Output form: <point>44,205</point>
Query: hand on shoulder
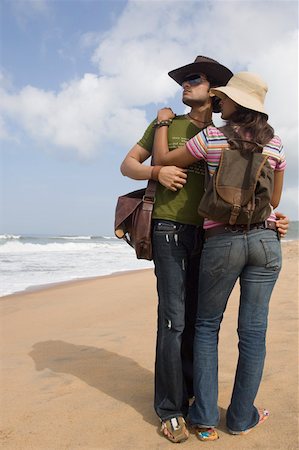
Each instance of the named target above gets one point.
<point>165,114</point>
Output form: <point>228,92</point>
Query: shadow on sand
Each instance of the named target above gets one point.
<point>118,376</point>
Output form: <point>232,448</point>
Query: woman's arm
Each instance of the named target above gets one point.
<point>180,156</point>
<point>278,182</point>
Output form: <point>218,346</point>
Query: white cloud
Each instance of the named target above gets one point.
<point>75,118</point>
<point>4,134</point>
<point>5,80</point>
<point>133,58</point>
<point>30,6</point>
<point>90,39</point>
<point>26,10</point>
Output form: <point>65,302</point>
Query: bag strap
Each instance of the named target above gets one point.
<point>151,188</point>
<point>232,135</point>
<point>150,191</point>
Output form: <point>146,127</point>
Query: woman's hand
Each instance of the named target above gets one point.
<point>172,177</point>
<point>165,114</point>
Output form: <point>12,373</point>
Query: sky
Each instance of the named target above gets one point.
<point>81,79</point>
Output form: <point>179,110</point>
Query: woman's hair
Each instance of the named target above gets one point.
<point>251,126</point>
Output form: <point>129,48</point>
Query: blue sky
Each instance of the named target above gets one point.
<point>80,80</point>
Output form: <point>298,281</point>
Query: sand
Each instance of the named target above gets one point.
<point>77,366</point>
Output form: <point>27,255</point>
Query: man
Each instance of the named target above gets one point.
<point>177,236</point>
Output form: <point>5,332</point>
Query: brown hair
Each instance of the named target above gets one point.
<point>252,128</point>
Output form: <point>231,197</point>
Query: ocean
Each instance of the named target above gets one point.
<point>31,261</point>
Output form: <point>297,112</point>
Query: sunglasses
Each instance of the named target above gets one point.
<point>194,80</point>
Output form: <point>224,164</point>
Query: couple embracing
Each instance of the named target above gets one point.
<point>198,260</point>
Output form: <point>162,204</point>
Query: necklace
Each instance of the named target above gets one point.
<point>197,120</point>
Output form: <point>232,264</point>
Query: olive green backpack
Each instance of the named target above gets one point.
<point>240,190</point>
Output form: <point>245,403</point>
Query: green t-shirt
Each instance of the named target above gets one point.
<point>180,206</point>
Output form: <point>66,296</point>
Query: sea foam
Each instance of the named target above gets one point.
<point>28,261</point>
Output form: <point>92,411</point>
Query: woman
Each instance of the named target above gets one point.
<point>229,253</point>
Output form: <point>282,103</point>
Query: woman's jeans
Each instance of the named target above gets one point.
<point>176,254</point>
<point>255,258</point>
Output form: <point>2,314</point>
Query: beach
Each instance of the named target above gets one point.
<point>78,360</point>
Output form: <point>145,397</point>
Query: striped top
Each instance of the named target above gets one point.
<point>209,143</point>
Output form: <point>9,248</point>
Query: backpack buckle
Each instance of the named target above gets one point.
<point>235,211</point>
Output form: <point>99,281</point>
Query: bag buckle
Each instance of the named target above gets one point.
<point>235,211</point>
<point>148,199</point>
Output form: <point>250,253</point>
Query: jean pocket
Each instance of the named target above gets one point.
<point>272,251</point>
<point>215,257</point>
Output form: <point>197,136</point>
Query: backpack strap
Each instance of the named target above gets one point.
<point>232,136</point>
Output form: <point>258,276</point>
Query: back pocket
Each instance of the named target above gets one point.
<point>272,251</point>
<point>215,257</point>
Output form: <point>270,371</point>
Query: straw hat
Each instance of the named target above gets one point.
<point>202,64</point>
<point>245,88</point>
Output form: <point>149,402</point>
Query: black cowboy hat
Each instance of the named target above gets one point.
<point>216,72</point>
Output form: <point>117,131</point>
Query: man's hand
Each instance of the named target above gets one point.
<point>165,114</point>
<point>282,223</point>
<point>172,177</point>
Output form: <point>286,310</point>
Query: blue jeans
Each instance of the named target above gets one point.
<point>255,258</point>
<point>176,254</point>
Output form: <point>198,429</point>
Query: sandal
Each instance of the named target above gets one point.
<point>175,429</point>
<point>204,433</point>
<point>264,414</point>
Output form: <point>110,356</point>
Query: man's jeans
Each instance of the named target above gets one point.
<point>255,258</point>
<point>176,254</point>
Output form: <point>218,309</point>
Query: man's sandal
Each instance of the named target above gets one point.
<point>175,429</point>
<point>264,414</point>
<point>204,433</point>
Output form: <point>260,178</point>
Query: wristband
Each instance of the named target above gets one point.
<point>155,172</point>
<point>162,123</point>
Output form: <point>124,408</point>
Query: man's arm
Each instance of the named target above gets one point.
<point>132,166</point>
<point>282,223</point>
<point>171,177</point>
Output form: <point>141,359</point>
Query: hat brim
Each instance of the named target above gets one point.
<point>219,73</point>
<point>240,97</point>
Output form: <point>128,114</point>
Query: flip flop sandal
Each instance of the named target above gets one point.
<point>205,434</point>
<point>175,429</point>
<point>264,414</point>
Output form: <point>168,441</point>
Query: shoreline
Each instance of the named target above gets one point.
<point>49,286</point>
